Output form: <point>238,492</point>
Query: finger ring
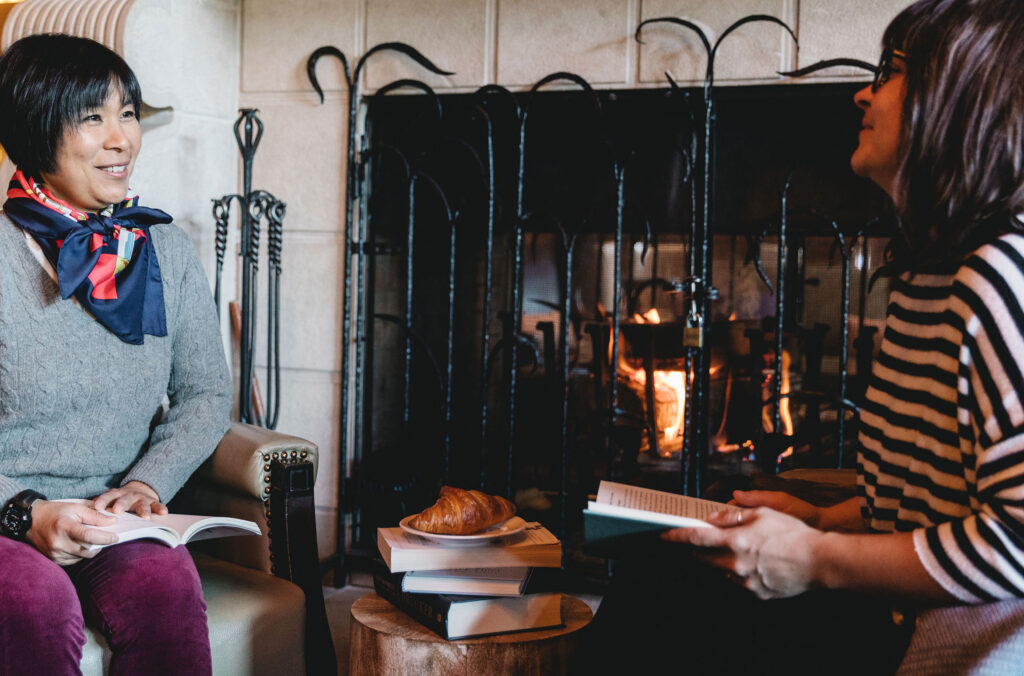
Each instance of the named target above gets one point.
<point>739,518</point>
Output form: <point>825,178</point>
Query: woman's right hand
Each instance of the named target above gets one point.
<point>60,530</point>
<point>780,502</point>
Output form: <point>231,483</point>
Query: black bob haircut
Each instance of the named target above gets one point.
<point>46,83</point>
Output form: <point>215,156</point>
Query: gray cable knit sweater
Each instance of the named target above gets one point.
<point>77,404</point>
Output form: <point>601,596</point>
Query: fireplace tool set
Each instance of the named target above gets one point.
<point>254,206</point>
<point>436,285</point>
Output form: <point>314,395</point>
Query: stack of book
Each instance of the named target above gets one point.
<point>464,590</point>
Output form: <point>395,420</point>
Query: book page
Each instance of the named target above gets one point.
<point>535,534</point>
<point>205,527</point>
<point>648,500</point>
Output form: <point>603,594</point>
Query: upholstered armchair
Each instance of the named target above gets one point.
<point>974,640</point>
<point>263,594</point>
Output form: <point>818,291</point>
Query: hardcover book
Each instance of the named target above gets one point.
<point>534,547</point>
<point>471,581</point>
<point>454,617</point>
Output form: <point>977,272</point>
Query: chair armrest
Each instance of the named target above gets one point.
<point>242,458</point>
<point>236,481</point>
<point>267,477</point>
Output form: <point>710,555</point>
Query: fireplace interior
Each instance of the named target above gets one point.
<point>503,238</point>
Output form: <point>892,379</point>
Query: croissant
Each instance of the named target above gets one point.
<point>461,512</point>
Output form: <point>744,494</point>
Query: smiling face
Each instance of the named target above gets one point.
<point>96,156</point>
<point>878,152</point>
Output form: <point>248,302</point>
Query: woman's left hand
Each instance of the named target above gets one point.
<point>134,496</point>
<point>768,552</point>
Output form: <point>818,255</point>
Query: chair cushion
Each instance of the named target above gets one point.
<point>976,640</point>
<point>256,623</point>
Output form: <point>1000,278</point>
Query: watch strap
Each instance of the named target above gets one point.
<point>16,515</point>
<point>28,496</point>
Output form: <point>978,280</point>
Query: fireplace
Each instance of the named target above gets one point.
<point>526,314</point>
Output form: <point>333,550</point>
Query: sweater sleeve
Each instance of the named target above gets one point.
<point>8,489</point>
<point>199,389</point>
<point>981,556</point>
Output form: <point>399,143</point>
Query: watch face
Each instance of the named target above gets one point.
<point>12,521</point>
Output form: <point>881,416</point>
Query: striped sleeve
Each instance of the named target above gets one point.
<point>980,557</point>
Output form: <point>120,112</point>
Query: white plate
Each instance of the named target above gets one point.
<point>508,527</point>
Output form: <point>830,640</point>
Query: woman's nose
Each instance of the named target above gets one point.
<point>863,97</point>
<point>116,137</point>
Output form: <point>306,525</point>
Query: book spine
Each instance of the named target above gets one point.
<point>430,610</point>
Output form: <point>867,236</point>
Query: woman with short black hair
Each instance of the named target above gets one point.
<point>105,318</point>
<point>939,516</point>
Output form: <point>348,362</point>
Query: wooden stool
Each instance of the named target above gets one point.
<point>384,640</point>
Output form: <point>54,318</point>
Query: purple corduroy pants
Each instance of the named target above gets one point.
<point>143,596</point>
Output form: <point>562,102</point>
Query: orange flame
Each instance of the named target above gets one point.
<point>669,386</point>
<point>785,417</point>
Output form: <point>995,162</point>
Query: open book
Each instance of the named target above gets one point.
<point>623,510</point>
<point>173,529</point>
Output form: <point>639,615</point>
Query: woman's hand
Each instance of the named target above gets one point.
<point>60,530</point>
<point>768,552</point>
<point>780,502</point>
<point>134,496</point>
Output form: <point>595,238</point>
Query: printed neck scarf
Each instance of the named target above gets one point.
<point>105,260</point>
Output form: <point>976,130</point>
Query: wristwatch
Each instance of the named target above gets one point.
<point>16,516</point>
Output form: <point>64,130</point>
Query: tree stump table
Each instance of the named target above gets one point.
<point>384,640</point>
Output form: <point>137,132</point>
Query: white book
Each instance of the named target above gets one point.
<point>172,529</point>
<point>454,617</point>
<point>482,617</point>
<point>471,581</point>
<point>621,509</point>
<point>403,551</point>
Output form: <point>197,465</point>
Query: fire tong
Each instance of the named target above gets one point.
<point>254,207</point>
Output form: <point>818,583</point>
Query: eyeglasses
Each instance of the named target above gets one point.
<point>885,67</point>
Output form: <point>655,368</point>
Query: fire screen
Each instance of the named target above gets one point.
<point>553,287</point>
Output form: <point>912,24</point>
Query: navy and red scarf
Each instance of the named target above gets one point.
<point>105,260</point>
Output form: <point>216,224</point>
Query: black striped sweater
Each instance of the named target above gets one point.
<point>942,434</point>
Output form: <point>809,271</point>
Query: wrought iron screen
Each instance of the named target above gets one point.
<point>502,246</point>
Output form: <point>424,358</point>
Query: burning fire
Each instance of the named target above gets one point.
<point>767,414</point>
<point>669,393</point>
<point>670,401</point>
<point>785,418</point>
